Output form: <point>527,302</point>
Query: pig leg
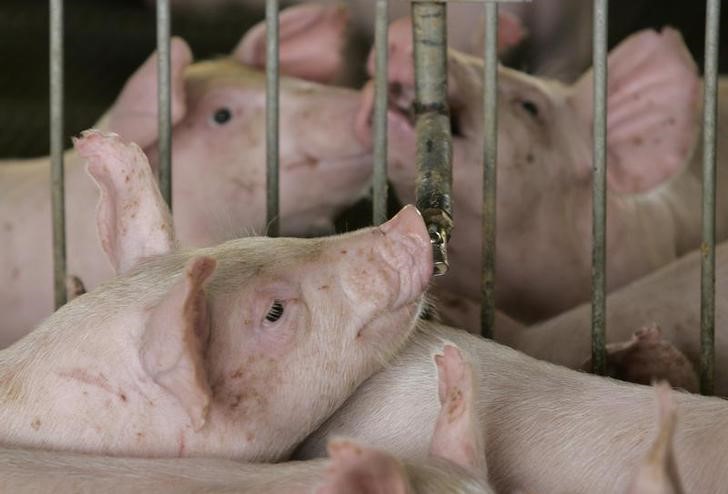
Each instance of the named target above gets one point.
<point>458,432</point>
<point>133,220</point>
<point>658,474</point>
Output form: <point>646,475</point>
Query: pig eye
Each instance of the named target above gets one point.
<point>275,312</point>
<point>222,116</point>
<point>530,107</point>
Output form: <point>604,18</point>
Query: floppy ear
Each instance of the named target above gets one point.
<point>311,42</point>
<point>458,435</point>
<point>355,469</point>
<point>132,219</point>
<point>653,94</point>
<point>175,338</point>
<point>511,32</point>
<point>134,114</point>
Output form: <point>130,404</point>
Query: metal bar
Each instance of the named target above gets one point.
<point>707,271</point>
<point>164,100</point>
<point>271,118</point>
<point>379,199</point>
<point>56,138</point>
<point>599,227</point>
<point>490,154</point>
<point>434,140</point>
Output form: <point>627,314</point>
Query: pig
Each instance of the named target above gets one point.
<point>218,115</point>
<point>669,296</point>
<point>213,351</point>
<point>658,472</point>
<point>457,463</point>
<point>547,428</point>
<point>648,356</point>
<point>544,177</point>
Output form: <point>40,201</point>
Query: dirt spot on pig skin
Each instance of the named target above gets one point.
<point>11,389</point>
<point>35,424</point>
<point>181,450</point>
<point>455,404</point>
<point>99,381</point>
<point>15,273</point>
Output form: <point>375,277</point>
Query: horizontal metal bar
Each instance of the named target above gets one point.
<point>490,155</point>
<point>56,138</point>
<point>707,271</point>
<point>379,195</point>
<point>271,119</point>
<point>164,100</point>
<point>599,188</point>
<point>434,140</point>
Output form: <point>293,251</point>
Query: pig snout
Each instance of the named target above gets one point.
<point>408,253</point>
<point>387,267</point>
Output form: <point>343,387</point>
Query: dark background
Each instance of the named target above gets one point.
<point>106,40</point>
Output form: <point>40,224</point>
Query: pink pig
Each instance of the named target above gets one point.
<point>218,159</point>
<point>215,351</point>
<point>456,463</point>
<point>546,428</point>
<point>543,261</point>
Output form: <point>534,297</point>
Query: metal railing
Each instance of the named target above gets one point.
<point>434,148</point>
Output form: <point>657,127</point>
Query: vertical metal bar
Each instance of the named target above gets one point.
<point>379,199</point>
<point>599,228</point>
<point>271,118</point>
<point>56,138</point>
<point>164,100</point>
<point>434,139</point>
<point>707,272</point>
<point>490,155</point>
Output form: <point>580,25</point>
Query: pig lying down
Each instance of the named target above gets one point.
<point>215,351</point>
<point>543,261</point>
<point>456,463</point>
<point>218,112</point>
<point>670,297</point>
<point>547,429</point>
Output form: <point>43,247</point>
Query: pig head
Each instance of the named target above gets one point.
<point>219,147</point>
<point>237,350</point>
<point>544,173</point>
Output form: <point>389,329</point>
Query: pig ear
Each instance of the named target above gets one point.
<point>355,469</point>
<point>175,339</point>
<point>458,435</point>
<point>653,94</point>
<point>133,220</point>
<point>311,45</point>
<point>511,32</point>
<point>134,114</point>
<point>658,470</point>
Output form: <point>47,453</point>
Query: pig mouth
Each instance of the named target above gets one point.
<point>400,114</point>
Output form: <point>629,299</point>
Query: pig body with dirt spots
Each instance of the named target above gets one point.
<point>544,189</point>
<point>215,351</point>
<point>546,428</point>
<point>456,463</point>
<point>218,112</point>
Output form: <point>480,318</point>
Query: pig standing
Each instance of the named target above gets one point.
<point>547,428</point>
<point>658,473</point>
<point>218,155</point>
<point>669,296</point>
<point>215,351</point>
<point>457,462</point>
<point>544,215</point>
